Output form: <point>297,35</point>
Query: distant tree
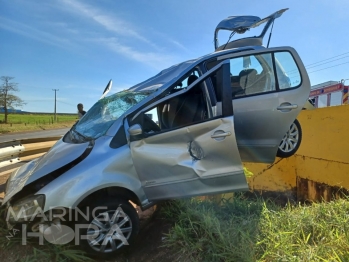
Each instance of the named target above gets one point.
<point>7,99</point>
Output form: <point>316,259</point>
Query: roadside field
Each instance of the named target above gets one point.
<point>37,118</point>
<point>32,122</point>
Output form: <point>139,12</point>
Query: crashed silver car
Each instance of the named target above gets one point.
<point>182,133</point>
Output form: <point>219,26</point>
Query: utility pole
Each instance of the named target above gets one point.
<point>55,102</point>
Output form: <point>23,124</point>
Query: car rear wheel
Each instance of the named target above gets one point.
<point>291,141</point>
<point>109,229</point>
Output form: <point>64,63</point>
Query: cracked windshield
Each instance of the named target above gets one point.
<point>102,115</point>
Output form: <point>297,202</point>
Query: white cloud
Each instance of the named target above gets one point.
<point>66,34</point>
<point>169,39</point>
<point>110,23</point>
<point>155,60</point>
<point>33,33</point>
<point>176,43</point>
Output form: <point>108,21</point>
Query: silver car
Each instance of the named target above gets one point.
<point>182,133</point>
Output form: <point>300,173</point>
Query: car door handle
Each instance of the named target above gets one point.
<point>221,135</point>
<point>287,107</point>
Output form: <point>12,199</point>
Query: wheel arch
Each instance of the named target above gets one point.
<point>110,191</point>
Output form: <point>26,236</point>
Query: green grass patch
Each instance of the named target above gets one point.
<point>33,122</point>
<point>256,230</point>
<point>32,119</point>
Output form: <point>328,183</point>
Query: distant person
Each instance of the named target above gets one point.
<point>81,111</point>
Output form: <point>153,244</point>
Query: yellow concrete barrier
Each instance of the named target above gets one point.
<point>320,168</point>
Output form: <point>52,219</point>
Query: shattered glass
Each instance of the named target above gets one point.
<point>96,122</point>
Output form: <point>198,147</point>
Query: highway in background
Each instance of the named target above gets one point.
<point>33,134</point>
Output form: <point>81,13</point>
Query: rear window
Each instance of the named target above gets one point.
<point>287,71</point>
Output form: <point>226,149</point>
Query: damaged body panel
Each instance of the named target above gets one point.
<point>87,178</point>
<point>60,155</point>
<point>169,166</point>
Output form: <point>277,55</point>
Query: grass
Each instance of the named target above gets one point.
<point>238,229</point>
<point>32,122</point>
<point>256,230</point>
<point>37,118</point>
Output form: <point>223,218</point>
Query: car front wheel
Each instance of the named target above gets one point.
<point>112,225</point>
<point>291,141</point>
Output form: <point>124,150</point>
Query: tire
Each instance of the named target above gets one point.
<point>291,141</point>
<point>104,238</point>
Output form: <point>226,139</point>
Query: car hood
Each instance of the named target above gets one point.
<point>58,156</point>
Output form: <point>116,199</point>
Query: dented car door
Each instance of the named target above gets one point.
<point>195,159</point>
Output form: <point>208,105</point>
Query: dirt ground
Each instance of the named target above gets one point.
<point>146,247</point>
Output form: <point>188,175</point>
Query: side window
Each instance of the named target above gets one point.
<point>287,72</point>
<point>249,75</point>
<point>252,75</point>
<point>181,110</point>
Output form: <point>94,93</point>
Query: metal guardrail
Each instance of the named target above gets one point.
<point>9,152</point>
<point>15,151</point>
<point>12,152</point>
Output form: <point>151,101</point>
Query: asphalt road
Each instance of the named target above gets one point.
<point>34,134</point>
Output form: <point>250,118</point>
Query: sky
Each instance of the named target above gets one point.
<point>77,46</point>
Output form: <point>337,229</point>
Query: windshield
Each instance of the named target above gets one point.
<point>96,122</point>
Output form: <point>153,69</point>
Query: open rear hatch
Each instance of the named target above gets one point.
<point>242,24</point>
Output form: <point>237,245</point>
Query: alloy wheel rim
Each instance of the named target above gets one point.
<point>290,140</point>
<point>109,231</point>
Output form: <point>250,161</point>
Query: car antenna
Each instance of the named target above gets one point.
<point>271,30</point>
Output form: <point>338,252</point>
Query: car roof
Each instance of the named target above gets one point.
<point>172,74</point>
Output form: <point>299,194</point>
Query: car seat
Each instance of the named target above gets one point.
<point>235,86</point>
<point>186,108</point>
<point>247,78</point>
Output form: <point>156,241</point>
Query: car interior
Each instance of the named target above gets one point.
<point>247,82</point>
<point>182,110</point>
<point>250,82</point>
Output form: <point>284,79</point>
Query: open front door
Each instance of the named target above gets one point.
<point>193,159</point>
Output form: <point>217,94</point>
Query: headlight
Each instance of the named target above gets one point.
<point>25,209</point>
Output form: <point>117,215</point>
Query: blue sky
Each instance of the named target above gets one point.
<point>76,46</point>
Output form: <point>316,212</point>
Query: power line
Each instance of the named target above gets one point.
<point>294,71</point>
<point>328,67</point>
<point>327,59</point>
<point>326,62</point>
<point>59,101</point>
<point>313,64</point>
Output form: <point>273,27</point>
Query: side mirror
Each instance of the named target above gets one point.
<point>135,130</point>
